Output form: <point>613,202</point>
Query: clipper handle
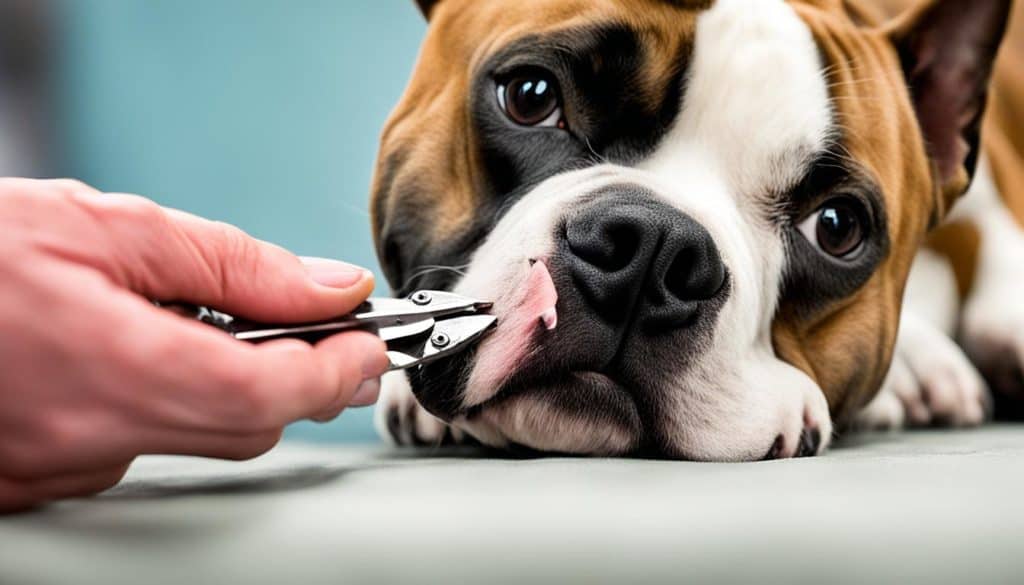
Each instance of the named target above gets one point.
<point>224,322</point>
<point>253,332</point>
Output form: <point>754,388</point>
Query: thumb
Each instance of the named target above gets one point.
<point>175,256</point>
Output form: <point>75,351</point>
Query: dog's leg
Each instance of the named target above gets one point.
<point>401,420</point>
<point>930,381</point>
<point>992,324</point>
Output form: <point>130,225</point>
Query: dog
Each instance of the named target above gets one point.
<point>717,230</point>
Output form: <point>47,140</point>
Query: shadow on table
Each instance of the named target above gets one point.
<point>282,474</point>
<point>279,476</point>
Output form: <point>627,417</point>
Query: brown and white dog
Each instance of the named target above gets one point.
<point>704,223</point>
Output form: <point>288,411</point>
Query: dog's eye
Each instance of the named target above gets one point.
<point>531,99</point>
<point>837,228</point>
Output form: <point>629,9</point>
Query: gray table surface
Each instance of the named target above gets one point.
<point>936,507</point>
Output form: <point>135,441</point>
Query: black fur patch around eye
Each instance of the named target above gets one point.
<point>599,70</point>
<point>814,280</point>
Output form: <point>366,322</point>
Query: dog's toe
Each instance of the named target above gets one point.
<point>931,382</point>
<point>402,421</point>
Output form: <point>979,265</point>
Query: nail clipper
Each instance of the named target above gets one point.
<point>426,326</point>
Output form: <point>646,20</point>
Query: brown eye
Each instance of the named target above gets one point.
<point>837,227</point>
<point>531,99</point>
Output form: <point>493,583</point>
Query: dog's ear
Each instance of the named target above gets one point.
<point>426,6</point>
<point>948,48</point>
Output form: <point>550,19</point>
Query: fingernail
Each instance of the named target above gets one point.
<point>367,393</point>
<point>334,273</point>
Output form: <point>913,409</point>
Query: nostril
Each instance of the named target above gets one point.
<point>696,273</point>
<point>625,241</point>
<point>679,277</point>
<point>610,246</point>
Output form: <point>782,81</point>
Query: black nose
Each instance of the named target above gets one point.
<point>631,255</point>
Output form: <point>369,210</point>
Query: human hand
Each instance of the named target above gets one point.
<point>93,375</point>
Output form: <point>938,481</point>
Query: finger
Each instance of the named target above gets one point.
<point>328,378</point>
<point>16,495</point>
<point>199,379</point>
<point>365,395</point>
<point>174,256</point>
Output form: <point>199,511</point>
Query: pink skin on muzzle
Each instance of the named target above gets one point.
<point>504,350</point>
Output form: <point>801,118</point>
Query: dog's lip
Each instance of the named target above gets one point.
<point>514,387</point>
<point>522,319</point>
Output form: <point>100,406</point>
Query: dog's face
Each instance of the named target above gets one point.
<point>695,218</point>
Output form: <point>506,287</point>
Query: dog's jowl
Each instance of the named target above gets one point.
<point>709,227</point>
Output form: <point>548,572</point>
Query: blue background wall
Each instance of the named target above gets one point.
<point>261,113</point>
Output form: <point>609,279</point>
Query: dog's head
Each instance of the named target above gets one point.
<point>695,217</point>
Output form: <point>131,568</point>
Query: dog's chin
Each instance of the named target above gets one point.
<point>549,401</point>
<point>581,412</point>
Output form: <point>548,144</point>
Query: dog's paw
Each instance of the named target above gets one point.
<point>993,336</point>
<point>885,412</point>
<point>401,420</point>
<point>931,382</point>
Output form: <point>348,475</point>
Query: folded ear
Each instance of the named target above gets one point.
<point>948,48</point>
<point>426,6</point>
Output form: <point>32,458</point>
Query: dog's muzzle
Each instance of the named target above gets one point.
<point>639,285</point>
<point>641,265</point>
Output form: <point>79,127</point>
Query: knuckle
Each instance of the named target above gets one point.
<point>69,187</point>
<point>235,244</point>
<point>67,193</point>
<point>123,212</point>
<point>232,252</point>
<point>137,209</point>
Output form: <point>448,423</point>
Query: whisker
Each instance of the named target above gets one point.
<point>598,158</point>
<point>355,209</point>
<point>428,269</point>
